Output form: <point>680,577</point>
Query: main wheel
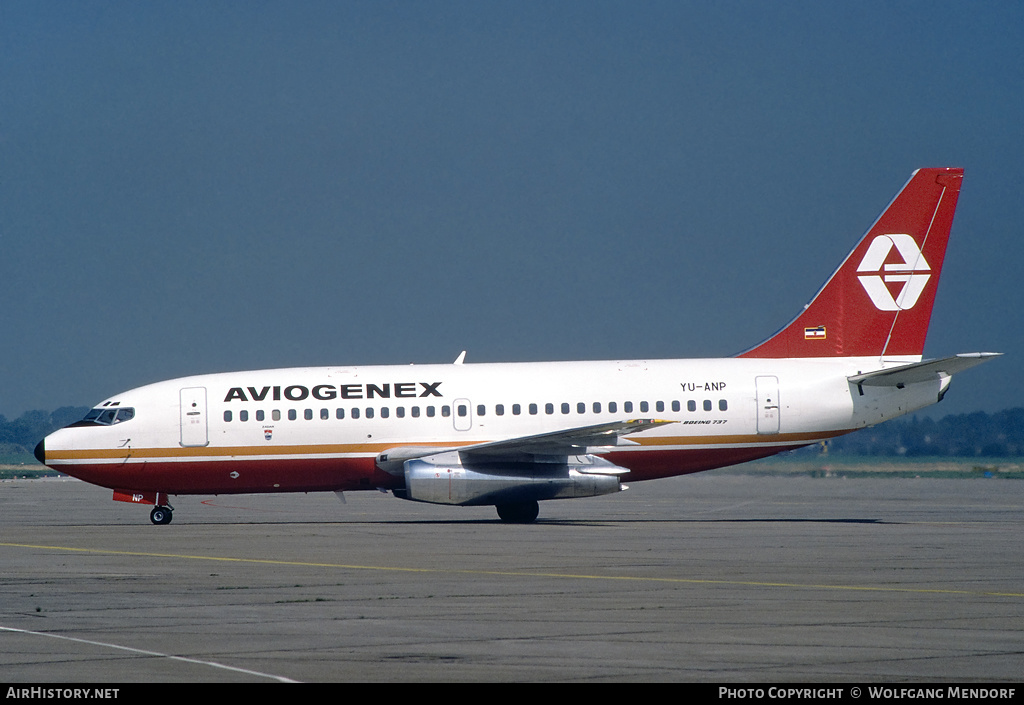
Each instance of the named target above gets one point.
<point>518,512</point>
<point>161,515</point>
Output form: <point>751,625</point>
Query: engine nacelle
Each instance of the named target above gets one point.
<point>442,479</point>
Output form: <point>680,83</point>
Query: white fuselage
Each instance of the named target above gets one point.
<point>307,429</point>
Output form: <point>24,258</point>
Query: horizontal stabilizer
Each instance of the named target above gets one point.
<point>925,371</point>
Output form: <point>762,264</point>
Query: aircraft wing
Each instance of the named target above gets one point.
<point>573,441</point>
<point>568,442</point>
<point>924,371</point>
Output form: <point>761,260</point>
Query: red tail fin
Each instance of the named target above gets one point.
<point>880,299</point>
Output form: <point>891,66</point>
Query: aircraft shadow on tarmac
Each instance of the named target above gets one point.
<point>539,523</point>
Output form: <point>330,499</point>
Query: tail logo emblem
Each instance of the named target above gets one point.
<point>909,272</point>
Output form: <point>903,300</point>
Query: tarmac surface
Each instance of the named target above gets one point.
<point>711,577</point>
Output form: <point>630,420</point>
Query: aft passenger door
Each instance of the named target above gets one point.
<point>193,417</point>
<point>767,404</point>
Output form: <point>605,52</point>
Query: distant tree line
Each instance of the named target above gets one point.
<point>20,436</point>
<point>998,435</point>
<point>959,435</point>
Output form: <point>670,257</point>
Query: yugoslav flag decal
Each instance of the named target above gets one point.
<point>909,272</point>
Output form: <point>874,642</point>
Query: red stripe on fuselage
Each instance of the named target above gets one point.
<point>242,476</point>
<point>656,464</point>
<point>245,476</point>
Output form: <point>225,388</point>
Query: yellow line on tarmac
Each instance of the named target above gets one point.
<point>521,574</point>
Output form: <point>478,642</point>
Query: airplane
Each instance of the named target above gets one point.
<point>514,434</point>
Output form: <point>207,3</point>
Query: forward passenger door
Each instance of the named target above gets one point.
<point>193,417</point>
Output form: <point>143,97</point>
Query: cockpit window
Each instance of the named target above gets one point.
<point>107,417</point>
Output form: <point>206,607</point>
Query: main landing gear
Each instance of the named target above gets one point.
<point>161,515</point>
<point>518,512</point>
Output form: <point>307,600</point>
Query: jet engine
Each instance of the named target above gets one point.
<point>444,479</point>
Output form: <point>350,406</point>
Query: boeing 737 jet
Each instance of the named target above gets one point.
<point>511,435</point>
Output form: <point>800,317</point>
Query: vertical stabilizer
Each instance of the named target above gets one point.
<point>879,302</point>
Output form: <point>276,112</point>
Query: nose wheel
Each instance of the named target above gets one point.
<point>161,515</point>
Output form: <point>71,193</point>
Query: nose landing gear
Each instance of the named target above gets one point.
<point>161,515</point>
<point>162,510</point>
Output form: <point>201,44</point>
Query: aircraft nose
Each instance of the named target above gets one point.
<point>40,451</point>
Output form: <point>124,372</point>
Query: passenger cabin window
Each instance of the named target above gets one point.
<point>107,416</point>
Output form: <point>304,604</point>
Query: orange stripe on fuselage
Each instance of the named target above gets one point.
<point>375,448</point>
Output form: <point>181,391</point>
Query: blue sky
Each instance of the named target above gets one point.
<point>191,187</point>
